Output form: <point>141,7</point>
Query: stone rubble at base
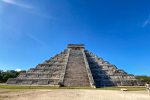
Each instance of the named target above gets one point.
<point>75,67</point>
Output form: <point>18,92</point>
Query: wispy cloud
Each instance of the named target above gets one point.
<point>33,11</point>
<point>143,68</point>
<point>146,22</point>
<point>34,38</point>
<point>40,14</point>
<point>16,3</point>
<point>140,66</point>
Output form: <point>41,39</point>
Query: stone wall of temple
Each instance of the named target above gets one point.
<point>104,75</point>
<point>46,74</point>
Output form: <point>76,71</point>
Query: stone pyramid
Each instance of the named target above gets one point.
<point>75,67</point>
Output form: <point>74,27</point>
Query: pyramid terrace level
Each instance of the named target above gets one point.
<point>75,67</point>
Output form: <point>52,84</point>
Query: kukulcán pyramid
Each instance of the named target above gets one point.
<point>75,67</point>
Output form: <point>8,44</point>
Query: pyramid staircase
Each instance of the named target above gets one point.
<point>75,67</point>
<point>76,73</point>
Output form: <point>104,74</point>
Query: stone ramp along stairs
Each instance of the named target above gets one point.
<point>76,73</point>
<point>75,67</point>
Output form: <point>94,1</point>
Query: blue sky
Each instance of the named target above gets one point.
<point>32,31</point>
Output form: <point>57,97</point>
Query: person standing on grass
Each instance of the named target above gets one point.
<point>148,88</point>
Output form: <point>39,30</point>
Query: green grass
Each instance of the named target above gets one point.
<point>28,87</point>
<point>41,87</point>
<point>55,87</point>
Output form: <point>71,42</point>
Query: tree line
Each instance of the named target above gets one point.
<point>146,78</point>
<point>4,76</point>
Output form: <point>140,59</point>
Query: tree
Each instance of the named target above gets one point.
<point>1,78</point>
<point>146,78</point>
<point>1,71</point>
<point>4,76</point>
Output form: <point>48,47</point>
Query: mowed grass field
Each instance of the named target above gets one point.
<point>3,86</point>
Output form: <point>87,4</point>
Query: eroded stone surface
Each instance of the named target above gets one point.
<point>46,74</point>
<point>104,75</point>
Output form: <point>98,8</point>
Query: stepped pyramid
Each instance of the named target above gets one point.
<point>75,67</point>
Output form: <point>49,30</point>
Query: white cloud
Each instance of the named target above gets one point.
<point>18,70</point>
<point>146,22</point>
<point>16,3</point>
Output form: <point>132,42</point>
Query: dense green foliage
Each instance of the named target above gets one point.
<point>146,78</point>
<point>4,76</point>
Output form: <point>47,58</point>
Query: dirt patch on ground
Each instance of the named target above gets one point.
<point>72,94</point>
<point>10,93</point>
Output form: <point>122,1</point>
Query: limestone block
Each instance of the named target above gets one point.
<point>118,83</point>
<point>31,70</point>
<point>106,62</point>
<point>51,58</point>
<point>27,82</point>
<point>128,77</point>
<point>56,55</point>
<point>86,51</point>
<point>111,83</point>
<point>126,83</point>
<point>134,83</point>
<point>40,76</point>
<point>11,82</point>
<point>30,76</point>
<point>141,82</point>
<point>115,77</point>
<point>51,82</point>
<point>19,82</point>
<point>100,62</point>
<point>22,76</point>
<point>43,82</point>
<point>35,82</point>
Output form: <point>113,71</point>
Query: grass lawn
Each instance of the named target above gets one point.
<point>3,86</point>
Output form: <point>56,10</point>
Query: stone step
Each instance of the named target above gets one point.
<point>38,75</point>
<point>76,73</point>
<point>46,70</point>
<point>120,83</point>
<point>36,82</point>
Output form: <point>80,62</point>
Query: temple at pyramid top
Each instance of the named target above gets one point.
<point>75,67</point>
<point>76,46</point>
